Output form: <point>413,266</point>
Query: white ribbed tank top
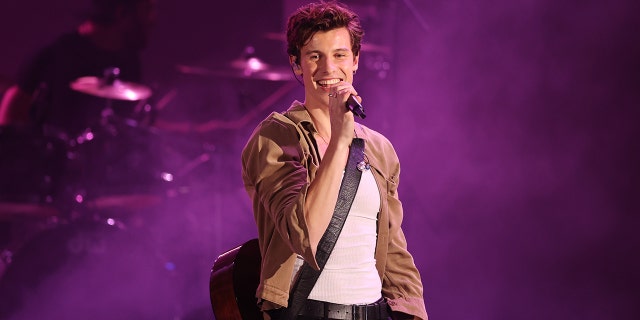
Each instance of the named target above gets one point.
<point>350,275</point>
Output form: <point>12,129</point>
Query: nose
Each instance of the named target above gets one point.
<point>328,64</point>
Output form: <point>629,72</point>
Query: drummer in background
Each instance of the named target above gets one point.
<point>113,34</point>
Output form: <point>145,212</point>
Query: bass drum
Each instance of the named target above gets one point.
<point>87,270</point>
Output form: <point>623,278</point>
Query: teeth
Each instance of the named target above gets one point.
<point>328,82</point>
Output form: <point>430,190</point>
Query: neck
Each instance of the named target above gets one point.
<point>321,121</point>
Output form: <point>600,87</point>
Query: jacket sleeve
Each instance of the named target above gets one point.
<point>276,178</point>
<point>401,283</point>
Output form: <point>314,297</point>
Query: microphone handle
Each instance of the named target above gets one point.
<point>354,106</point>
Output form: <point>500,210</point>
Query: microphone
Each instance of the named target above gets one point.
<point>354,106</point>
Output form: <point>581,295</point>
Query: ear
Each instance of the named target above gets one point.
<point>356,59</point>
<point>295,66</point>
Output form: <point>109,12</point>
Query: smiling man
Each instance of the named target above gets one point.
<point>293,167</point>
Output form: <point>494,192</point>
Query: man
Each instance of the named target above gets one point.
<point>111,37</point>
<point>293,165</point>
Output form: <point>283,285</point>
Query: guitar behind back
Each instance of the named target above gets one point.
<point>234,279</point>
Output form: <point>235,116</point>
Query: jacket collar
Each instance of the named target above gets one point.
<point>298,113</point>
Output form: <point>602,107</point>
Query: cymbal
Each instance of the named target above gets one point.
<point>258,72</point>
<point>119,90</point>
<point>129,201</point>
<point>12,210</point>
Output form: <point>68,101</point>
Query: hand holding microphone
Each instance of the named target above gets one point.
<point>352,104</point>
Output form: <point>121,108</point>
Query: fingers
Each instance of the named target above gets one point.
<point>359,98</point>
<point>342,120</point>
<point>342,91</point>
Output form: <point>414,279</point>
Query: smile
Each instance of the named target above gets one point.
<point>328,83</point>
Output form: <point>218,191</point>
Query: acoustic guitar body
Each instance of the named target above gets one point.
<point>234,279</point>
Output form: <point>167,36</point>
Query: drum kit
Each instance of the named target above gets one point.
<point>63,196</point>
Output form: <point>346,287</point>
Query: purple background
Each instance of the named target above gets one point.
<point>515,123</point>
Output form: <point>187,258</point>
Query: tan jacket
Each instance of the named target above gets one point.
<point>278,163</point>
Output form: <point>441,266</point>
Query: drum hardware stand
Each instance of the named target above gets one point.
<point>106,122</point>
<point>107,115</point>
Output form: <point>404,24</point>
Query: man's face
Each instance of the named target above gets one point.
<point>326,60</point>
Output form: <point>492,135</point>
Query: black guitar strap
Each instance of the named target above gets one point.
<point>308,276</point>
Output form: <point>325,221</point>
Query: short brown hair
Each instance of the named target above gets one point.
<point>321,16</point>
